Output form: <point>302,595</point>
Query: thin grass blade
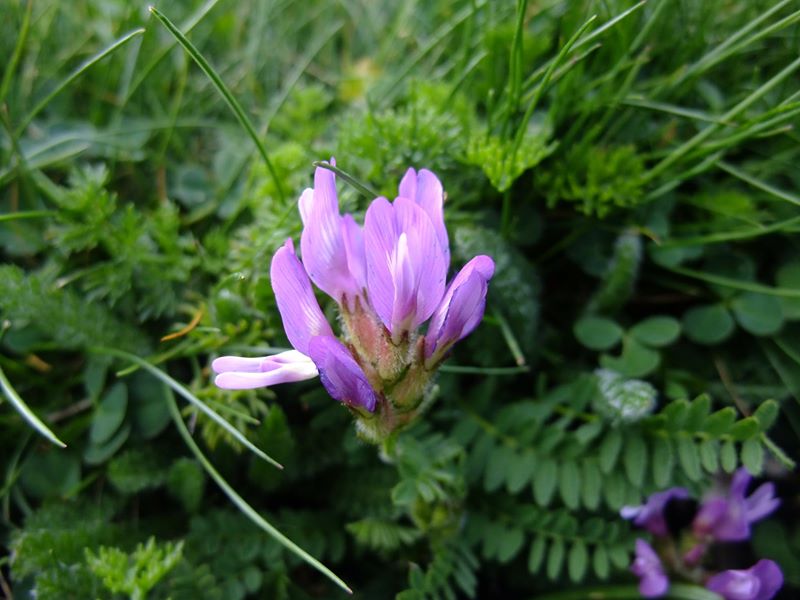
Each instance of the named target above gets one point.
<point>361,187</point>
<point>73,76</point>
<point>240,502</point>
<point>183,391</point>
<point>19,404</point>
<point>226,94</point>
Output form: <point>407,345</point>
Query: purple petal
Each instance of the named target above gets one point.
<point>405,265</point>
<point>462,306</point>
<point>650,516</point>
<point>760,582</point>
<point>428,262</point>
<point>300,311</point>
<point>741,479</point>
<point>238,373</point>
<point>380,238</point>
<point>354,248</point>
<point>305,203</point>
<point>425,189</point>
<point>724,520</point>
<point>761,502</point>
<point>322,241</point>
<point>341,374</point>
<point>647,566</point>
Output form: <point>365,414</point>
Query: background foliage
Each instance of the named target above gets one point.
<point>629,166</point>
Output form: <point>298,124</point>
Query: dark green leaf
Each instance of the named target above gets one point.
<point>577,561</point>
<point>635,459</point>
<point>609,450</point>
<point>520,469</point>
<point>663,461</point>
<point>745,429</point>
<point>636,359</point>
<point>656,331</point>
<point>545,478</point>
<point>708,324</point>
<point>699,410</point>
<point>509,544</point>
<point>614,490</point>
<point>94,455</point>
<point>727,457</point>
<point>720,422</point>
<point>597,333</point>
<point>538,548</point>
<point>766,414</point>
<point>569,483</point>
<point>591,484</point>
<point>600,563</point>
<point>753,456</point>
<point>109,414</point>
<point>709,456</point>
<point>555,558</point>
<point>497,468</point>
<point>689,457</point>
<point>758,314</point>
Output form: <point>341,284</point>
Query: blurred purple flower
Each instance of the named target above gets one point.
<point>650,515</point>
<point>727,518</point>
<point>647,567</point>
<point>388,280</point>
<point>760,582</point>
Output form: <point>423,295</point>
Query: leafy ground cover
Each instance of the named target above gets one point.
<point>631,169</point>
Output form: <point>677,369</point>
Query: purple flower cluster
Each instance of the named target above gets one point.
<point>723,516</point>
<point>388,279</point>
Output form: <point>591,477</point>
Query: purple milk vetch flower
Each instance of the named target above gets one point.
<point>647,567</point>
<point>388,279</point>
<point>650,515</point>
<point>760,582</point>
<point>340,373</point>
<point>727,518</point>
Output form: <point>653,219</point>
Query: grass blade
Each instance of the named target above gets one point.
<point>73,76</point>
<point>362,188</point>
<point>27,214</point>
<point>704,134</point>
<point>19,404</point>
<point>736,284</point>
<point>757,183</point>
<point>12,63</point>
<point>183,391</point>
<point>241,503</point>
<point>226,94</point>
